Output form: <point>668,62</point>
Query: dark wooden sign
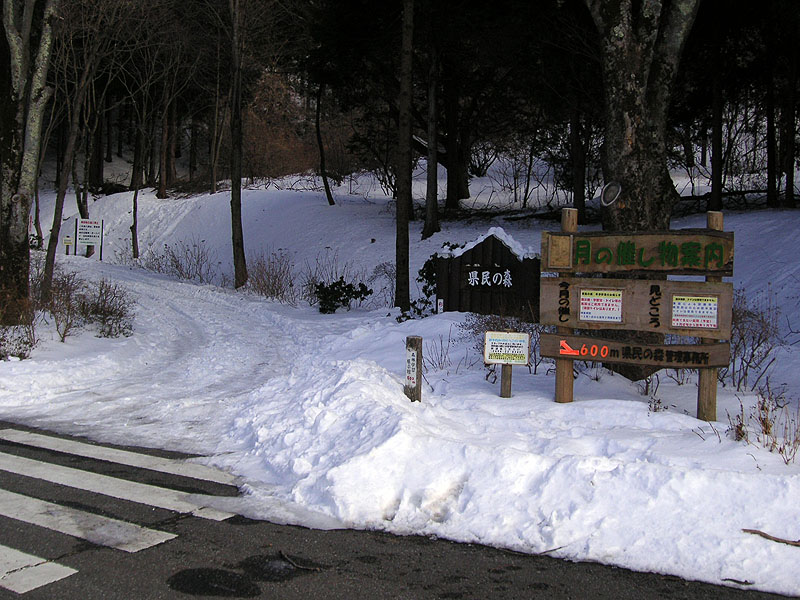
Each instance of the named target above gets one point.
<point>690,308</point>
<point>675,356</point>
<point>683,251</point>
<point>489,279</point>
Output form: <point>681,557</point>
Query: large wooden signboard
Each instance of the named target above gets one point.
<point>489,279</point>
<point>700,309</point>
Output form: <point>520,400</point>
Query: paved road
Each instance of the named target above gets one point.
<point>83,521</point>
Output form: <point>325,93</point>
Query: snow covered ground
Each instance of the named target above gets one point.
<point>308,409</point>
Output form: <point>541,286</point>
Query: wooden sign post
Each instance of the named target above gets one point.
<point>698,309</point>
<point>707,378</point>
<point>413,385</point>
<point>564,387</point>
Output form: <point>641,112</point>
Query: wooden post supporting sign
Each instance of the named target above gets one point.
<point>564,381</point>
<point>707,378</point>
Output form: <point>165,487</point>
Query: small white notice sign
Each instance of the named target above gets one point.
<point>604,306</point>
<point>411,367</point>
<point>506,348</point>
<point>695,312</point>
<point>89,232</point>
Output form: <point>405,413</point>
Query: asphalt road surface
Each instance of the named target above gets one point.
<point>84,521</point>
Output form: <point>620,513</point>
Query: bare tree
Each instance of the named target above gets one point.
<point>29,37</point>
<point>237,15</point>
<point>85,43</point>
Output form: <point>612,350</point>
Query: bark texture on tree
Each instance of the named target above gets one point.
<point>641,44</point>
<point>323,170</point>
<point>25,94</point>
<point>402,297</point>
<point>237,232</point>
<point>432,180</point>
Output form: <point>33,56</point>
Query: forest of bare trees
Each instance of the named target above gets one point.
<point>192,94</point>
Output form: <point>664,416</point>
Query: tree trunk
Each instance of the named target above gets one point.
<point>173,151</point>
<point>403,170</point>
<point>641,45</point>
<point>789,113</point>
<point>772,152</point>
<point>457,155</point>
<point>432,180</point>
<point>150,153</point>
<point>95,151</point>
<point>135,225</point>
<point>578,166</point>
<point>24,97</point>
<point>109,125</point>
<point>163,148</point>
<point>193,149</point>
<point>61,193</point>
<point>322,169</point>
<point>138,158</point>
<point>717,164</point>
<point>237,233</point>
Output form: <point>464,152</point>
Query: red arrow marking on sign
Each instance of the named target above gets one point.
<point>565,349</point>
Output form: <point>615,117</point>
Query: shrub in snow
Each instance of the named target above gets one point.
<point>272,276</point>
<point>192,260</point>
<point>327,272</point>
<point>773,423</point>
<point>339,294</point>
<point>110,307</point>
<point>754,337</point>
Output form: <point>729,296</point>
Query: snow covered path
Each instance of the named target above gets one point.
<point>197,351</point>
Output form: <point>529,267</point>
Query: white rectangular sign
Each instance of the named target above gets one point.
<point>411,367</point>
<point>89,232</point>
<point>697,312</point>
<point>506,348</point>
<point>604,306</point>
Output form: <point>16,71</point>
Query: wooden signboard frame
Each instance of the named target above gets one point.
<point>645,305</point>
<point>696,309</point>
<point>679,252</point>
<point>666,356</point>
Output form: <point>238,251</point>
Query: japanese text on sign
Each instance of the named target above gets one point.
<point>601,305</point>
<point>699,312</point>
<point>668,254</point>
<point>508,348</point>
<point>488,278</point>
<point>89,233</point>
<point>411,367</point>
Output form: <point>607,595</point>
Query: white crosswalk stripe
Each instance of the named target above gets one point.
<point>122,457</point>
<point>111,486</point>
<point>21,572</point>
<point>77,523</point>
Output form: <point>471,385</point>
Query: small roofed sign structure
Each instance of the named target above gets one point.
<point>491,276</point>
